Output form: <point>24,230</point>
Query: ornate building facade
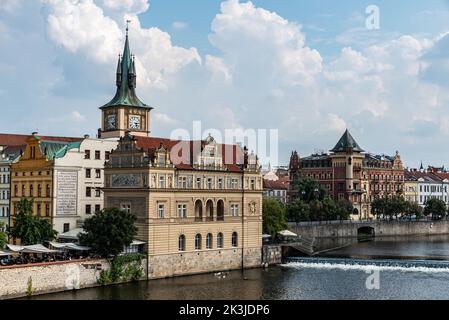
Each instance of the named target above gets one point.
<point>349,173</point>
<point>198,203</point>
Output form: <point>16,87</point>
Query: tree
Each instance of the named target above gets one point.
<point>29,228</point>
<point>436,208</point>
<point>273,217</point>
<point>309,190</point>
<point>3,236</point>
<point>413,209</point>
<point>298,211</point>
<point>344,209</point>
<point>397,206</point>
<point>109,231</point>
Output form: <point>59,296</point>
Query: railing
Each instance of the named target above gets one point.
<point>364,221</point>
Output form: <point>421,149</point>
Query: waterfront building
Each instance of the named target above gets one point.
<point>430,184</point>
<point>64,176</point>
<point>198,203</point>
<point>349,173</point>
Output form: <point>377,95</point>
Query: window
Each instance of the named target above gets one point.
<point>209,241</point>
<point>97,193</point>
<point>198,183</point>
<point>31,190</point>
<point>234,239</point>
<point>220,240</point>
<point>87,154</point>
<point>182,243</point>
<point>16,190</point>
<point>160,211</point>
<point>198,242</point>
<point>209,183</point>
<point>66,227</point>
<point>252,184</point>
<point>220,183</point>
<point>88,192</point>
<point>88,173</point>
<point>234,210</point>
<point>39,209</point>
<point>97,155</point>
<point>182,211</point>
<point>39,191</point>
<point>47,210</point>
<point>88,209</point>
<point>97,208</point>
<point>161,182</point>
<point>126,206</point>
<point>107,155</point>
<point>47,190</point>
<point>98,173</point>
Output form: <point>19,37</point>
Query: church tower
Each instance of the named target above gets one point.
<point>125,112</point>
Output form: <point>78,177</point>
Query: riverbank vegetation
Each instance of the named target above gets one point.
<point>273,217</point>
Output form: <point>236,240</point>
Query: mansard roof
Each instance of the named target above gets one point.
<point>347,143</point>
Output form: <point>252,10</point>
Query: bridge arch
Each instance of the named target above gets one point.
<point>366,233</point>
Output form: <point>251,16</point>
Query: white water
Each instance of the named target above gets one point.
<point>369,266</point>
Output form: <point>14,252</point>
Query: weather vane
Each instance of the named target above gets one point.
<point>127,25</point>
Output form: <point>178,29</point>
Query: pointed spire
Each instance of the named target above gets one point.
<point>126,79</point>
<point>347,143</point>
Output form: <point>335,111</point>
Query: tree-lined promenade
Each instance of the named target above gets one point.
<point>314,204</point>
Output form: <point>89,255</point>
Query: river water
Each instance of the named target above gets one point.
<point>391,268</point>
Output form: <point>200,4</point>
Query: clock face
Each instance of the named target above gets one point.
<point>134,122</point>
<point>112,121</point>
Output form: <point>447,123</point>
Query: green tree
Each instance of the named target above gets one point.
<point>397,206</point>
<point>29,228</point>
<point>413,209</point>
<point>379,207</point>
<point>109,231</point>
<point>3,235</point>
<point>329,208</point>
<point>273,217</point>
<point>436,208</point>
<point>344,209</point>
<point>309,190</point>
<point>298,211</point>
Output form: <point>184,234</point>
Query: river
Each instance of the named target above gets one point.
<point>394,268</point>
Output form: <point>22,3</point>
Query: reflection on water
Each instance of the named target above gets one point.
<point>308,278</point>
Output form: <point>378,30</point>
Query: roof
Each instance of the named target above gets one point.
<point>126,93</point>
<point>274,185</point>
<point>429,177</point>
<point>20,139</point>
<point>347,142</point>
<point>151,144</point>
<point>57,149</point>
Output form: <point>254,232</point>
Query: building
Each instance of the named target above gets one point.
<point>429,184</point>
<point>275,189</point>
<point>349,173</point>
<point>198,203</point>
<point>64,177</point>
<point>8,155</point>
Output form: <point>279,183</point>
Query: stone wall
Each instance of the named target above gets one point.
<point>49,277</point>
<point>272,254</point>
<point>381,228</point>
<point>172,265</point>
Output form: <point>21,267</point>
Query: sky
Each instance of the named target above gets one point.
<point>308,68</point>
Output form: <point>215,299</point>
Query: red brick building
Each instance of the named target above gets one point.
<point>348,172</point>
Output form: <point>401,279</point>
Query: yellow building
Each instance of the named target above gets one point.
<point>198,203</point>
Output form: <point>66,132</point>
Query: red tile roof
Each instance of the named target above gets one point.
<point>232,155</point>
<point>275,185</point>
<point>20,139</point>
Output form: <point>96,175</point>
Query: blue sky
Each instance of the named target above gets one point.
<point>308,68</point>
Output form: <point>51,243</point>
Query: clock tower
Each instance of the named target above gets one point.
<point>125,112</point>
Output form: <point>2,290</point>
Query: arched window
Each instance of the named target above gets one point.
<point>234,239</point>
<point>209,241</point>
<point>182,243</point>
<point>198,210</point>
<point>220,210</point>
<point>220,240</point>
<point>198,242</point>
<point>210,210</point>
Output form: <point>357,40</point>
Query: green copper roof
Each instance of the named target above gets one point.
<point>347,143</point>
<point>57,149</point>
<point>126,83</point>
